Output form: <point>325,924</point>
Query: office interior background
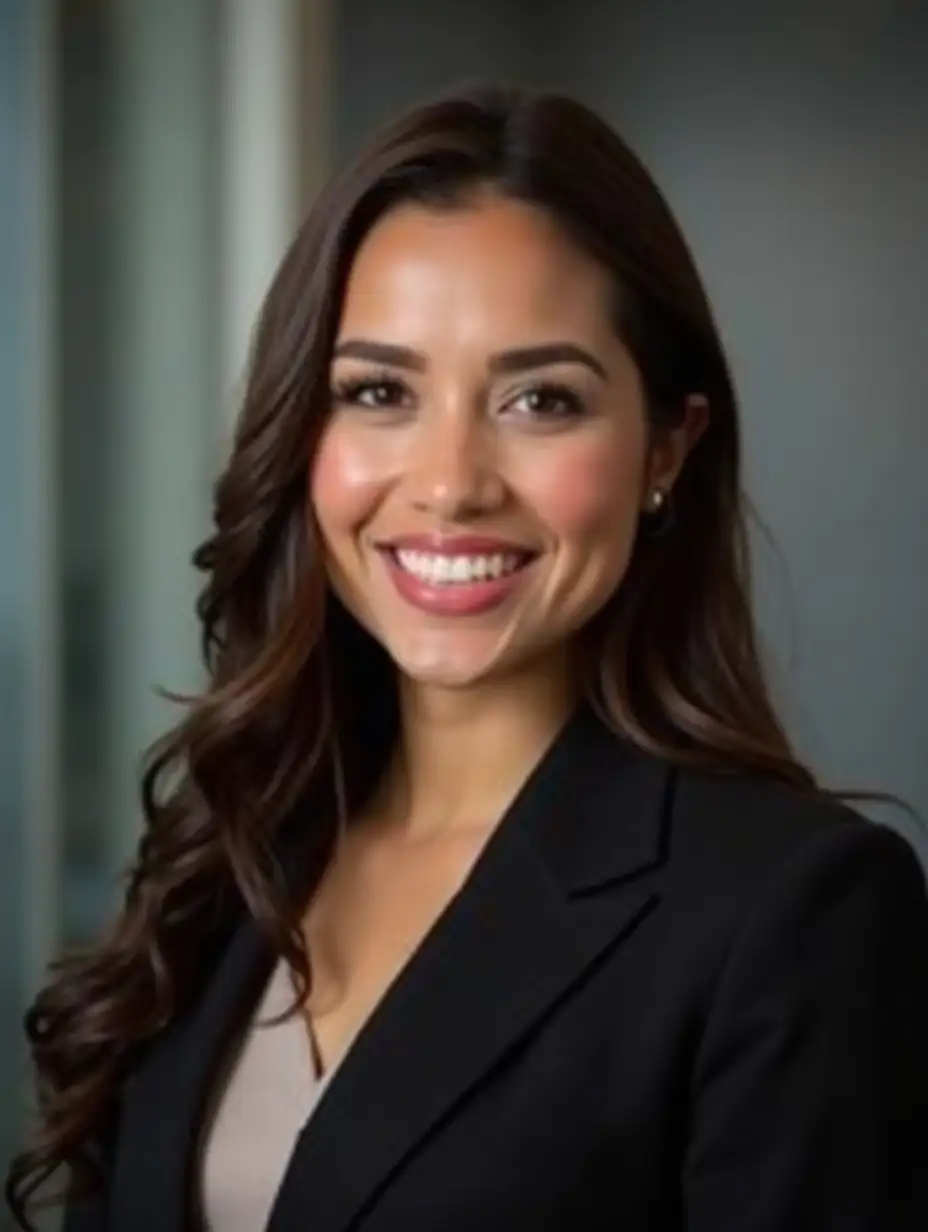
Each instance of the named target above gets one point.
<point>155,157</point>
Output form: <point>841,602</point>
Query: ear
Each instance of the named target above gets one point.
<point>671,446</point>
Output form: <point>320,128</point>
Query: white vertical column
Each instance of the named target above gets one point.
<point>259,95</point>
<point>274,125</point>
<point>164,401</point>
<point>210,164</point>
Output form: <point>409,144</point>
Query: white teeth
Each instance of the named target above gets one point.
<point>448,570</point>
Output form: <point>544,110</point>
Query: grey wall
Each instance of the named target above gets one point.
<point>392,53</point>
<point>790,141</point>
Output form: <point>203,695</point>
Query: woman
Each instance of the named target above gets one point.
<point>487,788</point>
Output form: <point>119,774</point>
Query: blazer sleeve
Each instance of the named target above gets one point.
<point>810,1096</point>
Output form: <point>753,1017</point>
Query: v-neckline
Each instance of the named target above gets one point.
<point>321,1072</point>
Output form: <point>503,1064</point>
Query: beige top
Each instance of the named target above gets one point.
<point>269,1093</point>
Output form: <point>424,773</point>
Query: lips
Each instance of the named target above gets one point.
<point>463,575</point>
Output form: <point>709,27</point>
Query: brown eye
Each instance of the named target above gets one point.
<point>547,402</point>
<point>375,393</point>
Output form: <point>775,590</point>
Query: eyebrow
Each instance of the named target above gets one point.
<point>518,359</point>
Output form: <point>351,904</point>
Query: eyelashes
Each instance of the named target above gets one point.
<point>539,401</point>
<point>376,391</point>
<point>549,400</point>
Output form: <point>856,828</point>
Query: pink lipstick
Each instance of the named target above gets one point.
<point>460,575</point>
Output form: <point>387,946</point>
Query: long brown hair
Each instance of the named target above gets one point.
<point>300,709</point>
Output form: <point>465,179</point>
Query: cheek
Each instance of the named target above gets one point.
<point>345,481</point>
<point>588,488</point>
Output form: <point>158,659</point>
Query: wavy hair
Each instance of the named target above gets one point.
<point>299,711</point>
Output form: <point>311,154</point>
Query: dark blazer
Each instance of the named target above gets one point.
<point>662,1001</point>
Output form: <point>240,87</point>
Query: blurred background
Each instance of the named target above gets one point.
<point>155,157</point>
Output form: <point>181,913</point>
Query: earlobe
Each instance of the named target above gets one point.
<point>657,518</point>
<point>668,456</point>
<point>657,499</point>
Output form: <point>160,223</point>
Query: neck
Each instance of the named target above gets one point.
<point>464,753</point>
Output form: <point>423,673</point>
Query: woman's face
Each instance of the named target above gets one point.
<point>479,481</point>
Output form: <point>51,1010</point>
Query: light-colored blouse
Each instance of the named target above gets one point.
<point>269,1091</point>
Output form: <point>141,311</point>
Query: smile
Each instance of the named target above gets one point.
<point>441,570</point>
<point>463,583</point>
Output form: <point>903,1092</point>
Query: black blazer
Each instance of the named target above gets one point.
<point>662,1001</point>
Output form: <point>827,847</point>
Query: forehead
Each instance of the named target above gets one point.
<point>488,272</point>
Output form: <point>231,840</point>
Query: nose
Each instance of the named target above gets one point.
<point>454,473</point>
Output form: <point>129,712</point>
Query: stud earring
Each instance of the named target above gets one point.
<point>658,518</point>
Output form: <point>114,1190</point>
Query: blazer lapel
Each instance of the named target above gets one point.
<point>164,1100</point>
<point>523,929</point>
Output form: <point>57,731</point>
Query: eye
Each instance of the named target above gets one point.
<point>373,392</point>
<point>547,402</point>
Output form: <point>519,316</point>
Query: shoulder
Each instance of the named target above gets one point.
<point>802,926</point>
<point>734,839</point>
<point>749,819</point>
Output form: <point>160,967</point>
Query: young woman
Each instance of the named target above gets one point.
<point>483,889</point>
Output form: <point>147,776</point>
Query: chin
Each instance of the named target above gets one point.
<point>444,670</point>
<point>445,675</point>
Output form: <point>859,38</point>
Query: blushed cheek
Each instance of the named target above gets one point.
<point>586,489</point>
<point>345,480</point>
